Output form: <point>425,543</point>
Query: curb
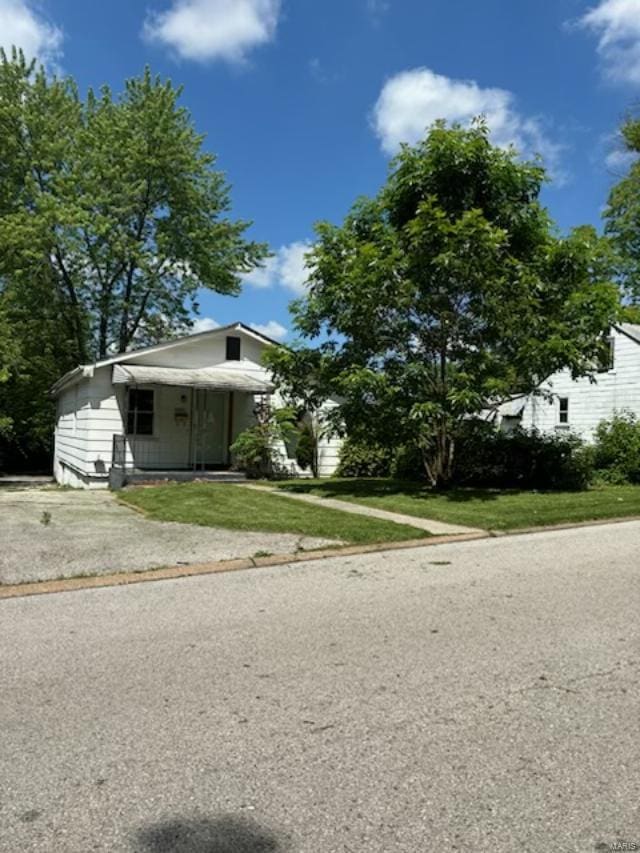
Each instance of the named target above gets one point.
<point>567,525</point>
<point>24,590</point>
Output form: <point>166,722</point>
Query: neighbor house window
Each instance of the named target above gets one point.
<point>140,412</point>
<point>564,410</point>
<point>608,361</point>
<point>233,349</point>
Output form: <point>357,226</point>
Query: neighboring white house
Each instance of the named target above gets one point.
<point>168,410</point>
<point>579,405</point>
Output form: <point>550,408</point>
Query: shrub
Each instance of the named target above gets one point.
<point>616,452</point>
<point>484,458</point>
<point>255,450</point>
<point>360,458</point>
<point>407,464</point>
<point>578,473</point>
<point>306,448</point>
<point>521,459</point>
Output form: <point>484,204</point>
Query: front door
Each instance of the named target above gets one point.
<point>209,429</point>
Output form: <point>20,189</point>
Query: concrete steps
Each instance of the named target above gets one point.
<point>131,478</point>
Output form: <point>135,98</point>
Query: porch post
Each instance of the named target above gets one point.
<point>230,427</point>
<point>192,456</point>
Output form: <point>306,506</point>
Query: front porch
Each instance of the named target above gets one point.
<point>179,424</point>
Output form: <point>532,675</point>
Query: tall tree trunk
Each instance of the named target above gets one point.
<point>438,458</point>
<point>123,338</point>
<point>315,465</point>
<point>77,315</point>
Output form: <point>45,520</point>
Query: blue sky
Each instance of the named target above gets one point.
<point>305,101</point>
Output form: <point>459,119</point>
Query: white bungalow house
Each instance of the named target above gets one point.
<point>578,406</point>
<point>169,411</point>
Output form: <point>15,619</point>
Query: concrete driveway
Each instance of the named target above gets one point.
<point>471,697</point>
<point>51,533</point>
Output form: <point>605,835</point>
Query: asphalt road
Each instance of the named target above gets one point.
<point>470,697</point>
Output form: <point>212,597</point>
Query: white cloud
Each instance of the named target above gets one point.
<point>317,71</point>
<point>293,269</point>
<point>264,276</point>
<point>412,100</point>
<point>214,29</point>
<point>377,9</point>
<point>272,329</point>
<point>620,160</point>
<point>286,268</point>
<point>617,24</point>
<point>21,26</point>
<point>204,324</point>
<point>613,150</point>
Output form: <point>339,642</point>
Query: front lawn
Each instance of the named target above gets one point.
<point>238,508</point>
<point>488,509</point>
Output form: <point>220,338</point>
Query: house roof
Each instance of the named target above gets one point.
<point>86,370</point>
<point>631,330</point>
<point>512,408</point>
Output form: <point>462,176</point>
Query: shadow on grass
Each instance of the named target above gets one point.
<point>380,488</point>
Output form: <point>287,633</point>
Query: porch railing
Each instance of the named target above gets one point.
<point>131,453</point>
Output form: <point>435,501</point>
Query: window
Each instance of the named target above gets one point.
<point>608,361</point>
<point>564,410</point>
<point>140,412</point>
<point>233,349</point>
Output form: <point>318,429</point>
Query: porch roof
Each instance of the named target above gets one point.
<point>513,408</point>
<point>213,378</point>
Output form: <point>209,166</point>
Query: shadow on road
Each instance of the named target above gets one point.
<point>225,834</point>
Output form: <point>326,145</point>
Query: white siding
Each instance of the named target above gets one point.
<point>329,450</point>
<point>208,352</point>
<point>590,402</point>
<point>88,416</point>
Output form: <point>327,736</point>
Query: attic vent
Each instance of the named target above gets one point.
<point>233,349</point>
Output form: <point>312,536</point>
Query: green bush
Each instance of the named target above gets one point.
<point>306,448</point>
<point>616,452</point>
<point>407,464</point>
<point>255,450</point>
<point>522,459</point>
<point>484,458</point>
<point>359,458</point>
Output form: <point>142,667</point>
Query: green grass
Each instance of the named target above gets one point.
<point>237,508</point>
<point>488,509</point>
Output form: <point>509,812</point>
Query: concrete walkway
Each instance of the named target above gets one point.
<point>438,528</point>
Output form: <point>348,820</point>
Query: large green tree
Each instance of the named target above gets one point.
<point>113,206</point>
<point>9,353</point>
<point>622,217</point>
<point>112,216</point>
<point>449,293</point>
